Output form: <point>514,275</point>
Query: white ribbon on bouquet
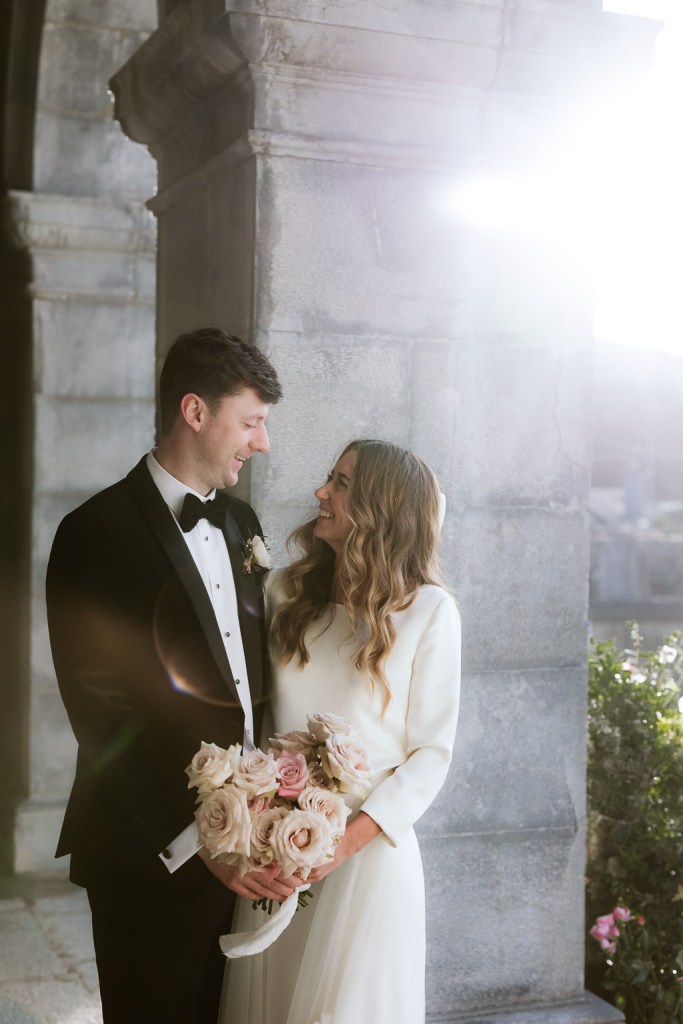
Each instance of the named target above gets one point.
<point>249,943</point>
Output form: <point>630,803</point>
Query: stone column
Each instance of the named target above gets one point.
<point>92,297</point>
<point>82,245</point>
<point>304,152</point>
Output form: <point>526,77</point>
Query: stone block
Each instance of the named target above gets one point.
<point>63,272</point>
<point>496,899</point>
<point>519,755</point>
<point>388,263</point>
<point>435,411</point>
<point>52,756</point>
<point>521,433</point>
<point>89,157</point>
<point>146,277</point>
<point>335,390</point>
<point>94,350</point>
<point>76,64</point>
<point>521,576</point>
<point>86,444</point>
<point>130,14</point>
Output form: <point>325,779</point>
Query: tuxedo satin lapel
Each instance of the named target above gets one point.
<point>164,526</point>
<point>249,604</point>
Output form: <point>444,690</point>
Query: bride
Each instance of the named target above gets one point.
<point>362,627</point>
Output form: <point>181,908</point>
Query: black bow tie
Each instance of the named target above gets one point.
<point>195,509</point>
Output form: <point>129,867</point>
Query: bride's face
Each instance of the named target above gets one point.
<point>333,524</point>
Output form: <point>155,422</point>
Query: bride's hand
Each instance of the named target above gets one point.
<point>358,833</point>
<point>255,885</point>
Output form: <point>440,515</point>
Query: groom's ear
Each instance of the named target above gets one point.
<point>193,411</point>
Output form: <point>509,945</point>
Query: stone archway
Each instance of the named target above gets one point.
<point>78,346</point>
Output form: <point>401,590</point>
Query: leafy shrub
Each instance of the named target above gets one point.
<point>635,829</point>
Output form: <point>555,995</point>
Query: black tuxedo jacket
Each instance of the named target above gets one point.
<point>144,676</point>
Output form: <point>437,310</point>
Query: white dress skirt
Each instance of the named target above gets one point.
<point>356,954</point>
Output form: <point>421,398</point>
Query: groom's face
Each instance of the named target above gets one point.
<point>230,434</point>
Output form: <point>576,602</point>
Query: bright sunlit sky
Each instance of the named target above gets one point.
<point>639,275</point>
<point>613,191</point>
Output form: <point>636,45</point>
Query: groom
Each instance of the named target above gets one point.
<point>157,638</point>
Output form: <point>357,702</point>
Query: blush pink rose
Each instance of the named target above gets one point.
<point>292,771</point>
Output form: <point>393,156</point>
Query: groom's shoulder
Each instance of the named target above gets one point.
<point>111,501</point>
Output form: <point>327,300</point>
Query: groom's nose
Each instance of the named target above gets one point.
<point>260,442</point>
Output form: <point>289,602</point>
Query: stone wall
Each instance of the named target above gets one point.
<point>90,243</point>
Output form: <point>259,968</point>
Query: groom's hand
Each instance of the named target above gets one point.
<point>254,885</point>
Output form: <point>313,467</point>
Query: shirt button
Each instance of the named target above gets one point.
<point>206,538</point>
<point>227,634</point>
<point>166,854</point>
<point>237,682</point>
<point>218,586</point>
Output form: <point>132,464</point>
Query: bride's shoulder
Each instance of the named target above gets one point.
<point>434,600</point>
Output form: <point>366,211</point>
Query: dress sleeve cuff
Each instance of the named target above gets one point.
<point>179,851</point>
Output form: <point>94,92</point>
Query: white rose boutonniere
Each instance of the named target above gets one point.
<point>256,555</point>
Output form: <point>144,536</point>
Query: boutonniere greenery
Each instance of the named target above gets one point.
<point>256,556</point>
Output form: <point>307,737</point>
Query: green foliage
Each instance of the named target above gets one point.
<point>635,827</point>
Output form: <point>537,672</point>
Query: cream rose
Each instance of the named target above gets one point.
<point>299,740</point>
<point>302,841</point>
<point>256,773</point>
<point>261,831</point>
<point>346,760</point>
<point>330,805</point>
<point>224,823</point>
<point>211,766</point>
<point>325,724</point>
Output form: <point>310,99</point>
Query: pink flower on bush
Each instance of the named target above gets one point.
<point>605,930</point>
<point>622,914</point>
<point>292,773</point>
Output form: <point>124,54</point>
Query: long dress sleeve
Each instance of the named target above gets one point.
<point>431,719</point>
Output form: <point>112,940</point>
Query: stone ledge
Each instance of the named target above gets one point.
<point>39,220</point>
<point>586,1010</point>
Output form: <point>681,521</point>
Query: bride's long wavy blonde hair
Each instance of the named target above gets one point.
<point>393,505</point>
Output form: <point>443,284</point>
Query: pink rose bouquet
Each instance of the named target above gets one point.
<point>285,809</point>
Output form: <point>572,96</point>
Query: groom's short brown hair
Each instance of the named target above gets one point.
<point>213,364</point>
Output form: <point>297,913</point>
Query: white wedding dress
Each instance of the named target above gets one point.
<point>356,954</point>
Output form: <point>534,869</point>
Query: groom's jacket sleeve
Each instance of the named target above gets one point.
<point>133,741</point>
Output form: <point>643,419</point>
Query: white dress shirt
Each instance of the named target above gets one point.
<point>207,546</point>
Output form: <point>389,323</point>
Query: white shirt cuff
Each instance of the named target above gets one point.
<point>182,848</point>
